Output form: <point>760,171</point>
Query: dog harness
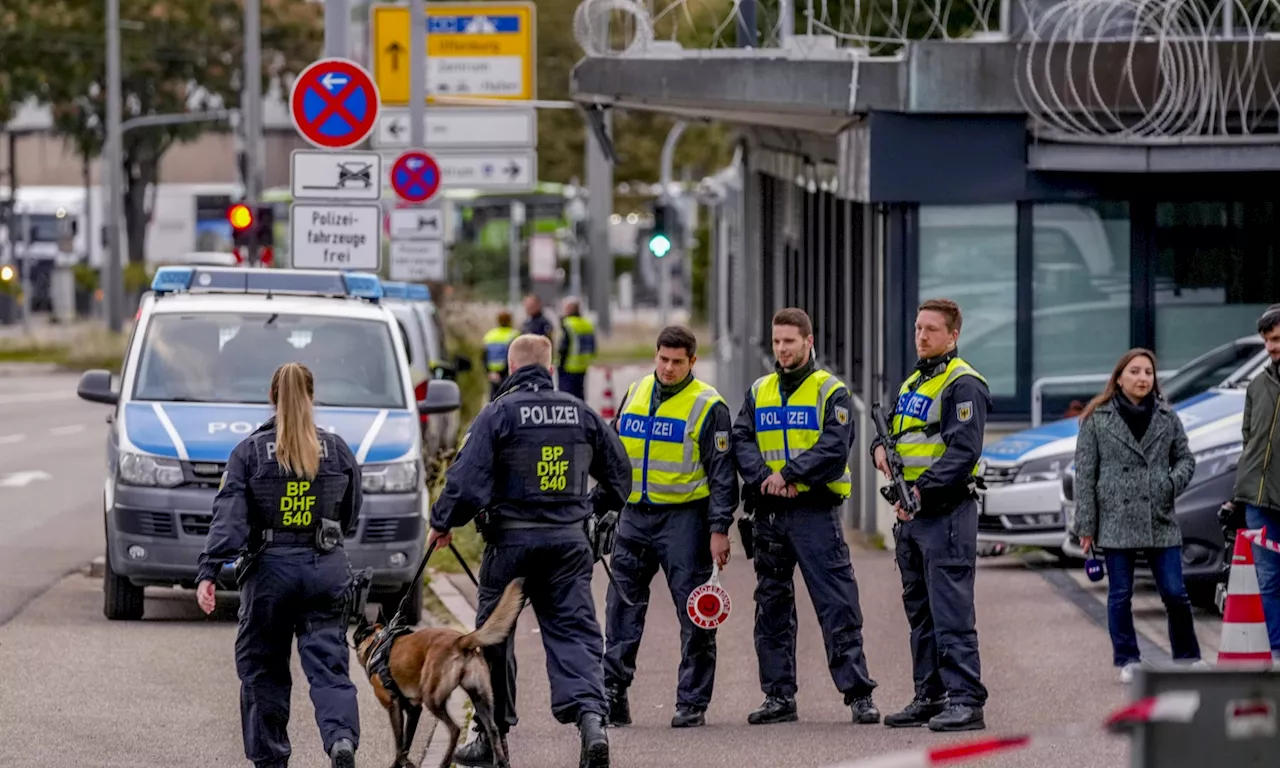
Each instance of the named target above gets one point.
<point>380,659</point>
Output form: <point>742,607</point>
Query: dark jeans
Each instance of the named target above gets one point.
<point>1166,566</point>
<point>1267,564</point>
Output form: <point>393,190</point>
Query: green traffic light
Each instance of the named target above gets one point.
<point>660,245</point>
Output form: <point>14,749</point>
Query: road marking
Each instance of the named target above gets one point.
<point>23,479</point>
<point>6,439</point>
<point>69,429</point>
<point>36,397</point>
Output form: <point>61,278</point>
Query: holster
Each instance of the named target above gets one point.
<point>245,565</point>
<point>484,526</point>
<point>747,530</point>
<point>600,531</point>
<point>357,596</point>
<point>328,535</point>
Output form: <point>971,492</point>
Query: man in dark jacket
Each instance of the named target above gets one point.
<point>536,322</point>
<point>1257,491</point>
<point>791,444</point>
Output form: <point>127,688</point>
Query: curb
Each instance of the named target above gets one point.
<point>463,618</point>
<point>15,370</point>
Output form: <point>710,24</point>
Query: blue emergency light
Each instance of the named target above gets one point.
<point>293,282</point>
<point>419,292</point>
<point>395,290</point>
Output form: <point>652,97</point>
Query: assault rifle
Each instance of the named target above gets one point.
<point>897,492</point>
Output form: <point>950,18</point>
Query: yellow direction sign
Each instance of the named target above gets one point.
<point>478,50</point>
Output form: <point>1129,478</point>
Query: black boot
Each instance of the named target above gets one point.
<point>775,709</point>
<point>595,741</point>
<point>479,752</point>
<point>917,713</point>
<point>343,754</point>
<point>619,707</point>
<point>959,717</point>
<point>864,711</point>
<point>688,717</point>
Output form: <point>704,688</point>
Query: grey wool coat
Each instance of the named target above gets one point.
<point>1124,488</point>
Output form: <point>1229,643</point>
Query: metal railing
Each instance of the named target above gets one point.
<point>1038,386</point>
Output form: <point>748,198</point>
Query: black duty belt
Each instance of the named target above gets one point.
<point>517,525</point>
<point>289,538</point>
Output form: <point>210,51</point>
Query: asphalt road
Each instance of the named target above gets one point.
<point>79,690</point>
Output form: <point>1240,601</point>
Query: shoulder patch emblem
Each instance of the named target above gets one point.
<point>964,411</point>
<point>722,441</point>
<point>842,414</point>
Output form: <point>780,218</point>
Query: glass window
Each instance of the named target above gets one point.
<point>230,357</point>
<point>969,255</point>
<point>1209,370</point>
<point>1215,273</point>
<point>1080,289</point>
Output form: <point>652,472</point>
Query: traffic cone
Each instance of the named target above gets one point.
<point>1244,628</point>
<point>608,411</point>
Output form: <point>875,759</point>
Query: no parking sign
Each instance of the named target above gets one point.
<point>708,605</point>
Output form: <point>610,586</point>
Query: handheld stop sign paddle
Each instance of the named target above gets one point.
<point>708,605</point>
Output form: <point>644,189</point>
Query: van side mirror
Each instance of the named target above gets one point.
<point>443,396</point>
<point>95,386</point>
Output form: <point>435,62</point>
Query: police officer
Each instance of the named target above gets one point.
<point>577,349</point>
<point>496,342</point>
<point>535,321</point>
<point>291,492</point>
<point>684,490</point>
<point>937,425</point>
<point>791,444</point>
<point>525,463</point>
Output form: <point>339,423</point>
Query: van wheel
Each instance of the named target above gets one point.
<point>412,612</point>
<point>122,599</point>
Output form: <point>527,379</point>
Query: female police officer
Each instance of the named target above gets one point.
<point>290,492</point>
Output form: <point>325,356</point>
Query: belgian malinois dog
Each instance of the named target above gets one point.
<point>429,664</point>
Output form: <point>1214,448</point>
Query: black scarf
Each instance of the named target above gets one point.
<point>1136,415</point>
<point>790,381</point>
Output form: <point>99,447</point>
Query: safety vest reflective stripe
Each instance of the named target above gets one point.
<point>920,410</point>
<point>496,343</point>
<point>666,461</point>
<point>784,432</point>
<point>582,344</point>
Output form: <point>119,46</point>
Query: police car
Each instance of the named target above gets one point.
<point>194,384</point>
<point>1023,472</point>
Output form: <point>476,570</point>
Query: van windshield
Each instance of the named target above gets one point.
<point>224,357</point>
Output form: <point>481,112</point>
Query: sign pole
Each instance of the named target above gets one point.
<point>336,20</point>
<point>251,118</point>
<point>419,25</point>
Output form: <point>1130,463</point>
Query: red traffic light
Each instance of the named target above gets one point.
<point>240,216</point>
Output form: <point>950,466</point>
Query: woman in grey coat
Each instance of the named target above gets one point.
<point>1132,461</point>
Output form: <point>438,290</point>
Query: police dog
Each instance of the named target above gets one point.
<point>429,664</point>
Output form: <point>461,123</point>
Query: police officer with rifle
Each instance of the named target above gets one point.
<point>292,493</point>
<point>937,430</point>
<point>522,472</point>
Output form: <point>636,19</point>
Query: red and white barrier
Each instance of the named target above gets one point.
<point>1171,707</point>
<point>1244,628</point>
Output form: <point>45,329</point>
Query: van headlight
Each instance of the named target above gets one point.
<point>140,469</point>
<point>1043,470</point>
<point>397,477</point>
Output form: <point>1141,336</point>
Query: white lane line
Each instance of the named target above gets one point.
<point>36,397</point>
<point>6,439</point>
<point>69,429</point>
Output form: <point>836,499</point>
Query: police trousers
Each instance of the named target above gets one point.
<point>294,591</point>
<point>677,540</point>
<point>812,538</point>
<point>938,559</point>
<point>557,566</point>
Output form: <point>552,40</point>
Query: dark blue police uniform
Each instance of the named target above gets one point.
<point>805,531</point>
<point>677,538</point>
<point>525,463</point>
<point>937,555</point>
<point>294,587</point>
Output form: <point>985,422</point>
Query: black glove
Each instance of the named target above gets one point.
<point>1231,516</point>
<point>600,533</point>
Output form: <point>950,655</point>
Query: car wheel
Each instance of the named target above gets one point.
<point>122,599</point>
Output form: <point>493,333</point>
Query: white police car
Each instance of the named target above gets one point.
<point>1021,505</point>
<point>194,384</point>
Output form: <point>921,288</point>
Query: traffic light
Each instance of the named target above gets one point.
<point>258,222</point>
<point>664,220</point>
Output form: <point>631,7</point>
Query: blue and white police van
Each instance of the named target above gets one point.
<point>1022,503</point>
<point>194,383</point>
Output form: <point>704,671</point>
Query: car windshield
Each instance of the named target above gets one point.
<point>223,357</point>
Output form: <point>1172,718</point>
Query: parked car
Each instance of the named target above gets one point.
<point>1213,423</point>
<point>1023,471</point>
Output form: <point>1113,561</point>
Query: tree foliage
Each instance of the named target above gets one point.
<point>176,56</point>
<point>21,72</point>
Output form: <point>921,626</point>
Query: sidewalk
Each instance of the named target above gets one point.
<point>1044,663</point>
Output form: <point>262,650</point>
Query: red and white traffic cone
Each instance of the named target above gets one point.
<point>1244,628</point>
<point>607,412</point>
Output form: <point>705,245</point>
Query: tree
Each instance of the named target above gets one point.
<point>20,78</point>
<point>176,56</point>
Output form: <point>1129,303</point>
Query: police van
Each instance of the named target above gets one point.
<point>194,383</point>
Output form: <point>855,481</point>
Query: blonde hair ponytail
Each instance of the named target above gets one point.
<point>297,446</point>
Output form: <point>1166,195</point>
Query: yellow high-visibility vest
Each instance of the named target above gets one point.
<point>786,430</point>
<point>917,417</point>
<point>496,342</point>
<point>662,443</point>
<point>582,344</point>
